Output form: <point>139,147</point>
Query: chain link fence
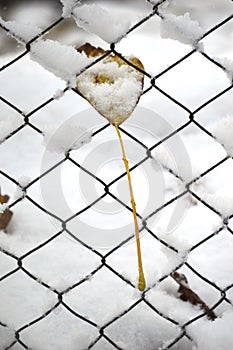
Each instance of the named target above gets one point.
<point>104,258</point>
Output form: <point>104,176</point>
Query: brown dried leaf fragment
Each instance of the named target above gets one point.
<point>6,216</point>
<point>4,199</point>
<point>91,51</point>
<point>187,294</point>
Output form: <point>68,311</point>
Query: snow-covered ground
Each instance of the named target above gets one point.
<point>61,262</point>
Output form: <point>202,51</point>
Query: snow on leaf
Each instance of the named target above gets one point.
<point>108,25</point>
<point>181,28</point>
<point>62,60</point>
<point>111,86</point>
<point>22,32</point>
<point>223,131</point>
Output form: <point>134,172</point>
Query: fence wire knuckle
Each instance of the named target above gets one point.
<point>27,121</point>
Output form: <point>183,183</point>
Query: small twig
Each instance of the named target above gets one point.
<point>187,294</point>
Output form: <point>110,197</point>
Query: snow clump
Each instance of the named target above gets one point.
<point>58,142</point>
<point>62,60</point>
<point>22,32</point>
<point>108,25</point>
<point>181,28</point>
<point>223,131</point>
<point>228,66</point>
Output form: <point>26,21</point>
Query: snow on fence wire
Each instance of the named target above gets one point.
<point>142,299</point>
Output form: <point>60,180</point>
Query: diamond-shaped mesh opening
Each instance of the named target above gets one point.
<point>218,265</point>
<point>37,262</point>
<point>26,161</point>
<point>68,270</point>
<point>190,88</point>
<point>26,86</point>
<point>17,310</point>
<point>90,293</point>
<point>155,58</point>
<point>57,111</point>
<point>63,329</point>
<point>175,115</point>
<point>26,237</point>
<point>145,338</point>
<point>222,32</point>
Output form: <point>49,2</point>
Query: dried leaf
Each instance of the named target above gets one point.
<point>111,86</point>
<point>187,294</point>
<point>6,216</point>
<point>91,51</point>
<point>4,199</point>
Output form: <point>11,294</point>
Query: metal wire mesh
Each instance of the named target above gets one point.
<point>104,258</point>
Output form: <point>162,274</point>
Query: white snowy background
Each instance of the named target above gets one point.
<point>62,262</point>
